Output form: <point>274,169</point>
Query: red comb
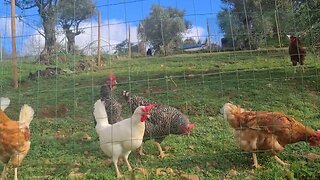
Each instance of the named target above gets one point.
<point>318,132</point>
<point>112,76</point>
<point>148,108</point>
<point>191,126</point>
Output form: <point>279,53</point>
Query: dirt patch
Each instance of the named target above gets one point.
<point>53,111</point>
<point>90,64</point>
<point>46,73</point>
<point>86,65</point>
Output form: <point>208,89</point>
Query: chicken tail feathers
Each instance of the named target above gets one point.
<point>4,103</point>
<point>126,95</point>
<point>99,112</point>
<point>26,115</point>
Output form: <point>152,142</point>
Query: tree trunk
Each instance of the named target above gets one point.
<point>71,41</point>
<point>50,37</point>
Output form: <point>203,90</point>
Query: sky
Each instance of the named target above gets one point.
<point>115,16</point>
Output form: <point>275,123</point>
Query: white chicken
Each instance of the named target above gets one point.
<point>119,139</point>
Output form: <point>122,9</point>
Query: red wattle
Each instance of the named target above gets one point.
<point>143,118</point>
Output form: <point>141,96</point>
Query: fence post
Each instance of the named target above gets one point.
<point>129,42</point>
<point>209,35</point>
<point>1,48</point>
<point>99,40</point>
<point>276,16</point>
<point>14,47</point>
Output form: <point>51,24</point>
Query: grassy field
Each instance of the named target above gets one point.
<point>198,85</point>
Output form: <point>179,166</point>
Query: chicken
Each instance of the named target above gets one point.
<point>119,139</point>
<point>269,131</point>
<point>113,107</point>
<point>164,120</point>
<point>14,137</point>
<point>296,51</point>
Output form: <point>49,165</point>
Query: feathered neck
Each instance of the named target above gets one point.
<point>303,133</point>
<point>105,91</point>
<point>3,117</point>
<point>135,118</point>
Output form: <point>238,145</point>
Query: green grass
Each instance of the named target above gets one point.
<point>198,85</point>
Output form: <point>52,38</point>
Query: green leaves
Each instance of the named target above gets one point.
<point>164,27</point>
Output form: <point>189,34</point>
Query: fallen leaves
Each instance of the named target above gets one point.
<point>142,170</point>
<point>170,171</point>
<point>189,177</point>
<point>107,162</point>
<point>76,175</point>
<point>312,157</point>
<point>59,135</point>
<point>87,153</point>
<point>233,173</point>
<point>179,174</point>
<point>160,172</point>
<point>86,137</point>
<point>139,173</point>
<point>164,172</point>
<point>75,172</point>
<point>166,148</point>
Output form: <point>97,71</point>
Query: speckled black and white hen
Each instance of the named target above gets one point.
<point>113,107</point>
<point>164,120</point>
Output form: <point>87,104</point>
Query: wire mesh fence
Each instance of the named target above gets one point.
<point>193,56</point>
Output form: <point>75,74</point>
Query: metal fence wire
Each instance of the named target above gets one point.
<point>190,58</point>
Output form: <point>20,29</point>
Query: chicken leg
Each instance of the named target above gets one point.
<point>255,161</point>
<point>126,160</point>
<point>15,173</point>
<point>4,172</point>
<point>115,162</point>
<point>16,161</point>
<point>280,161</point>
<point>162,154</point>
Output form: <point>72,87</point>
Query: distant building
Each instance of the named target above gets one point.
<point>193,47</point>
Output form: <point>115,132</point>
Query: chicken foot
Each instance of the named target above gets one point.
<point>140,150</point>
<point>280,161</point>
<point>255,161</point>
<point>4,172</point>
<point>161,152</point>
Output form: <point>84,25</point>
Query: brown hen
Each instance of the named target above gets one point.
<point>14,137</point>
<point>267,131</point>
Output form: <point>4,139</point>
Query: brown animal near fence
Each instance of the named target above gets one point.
<point>296,51</point>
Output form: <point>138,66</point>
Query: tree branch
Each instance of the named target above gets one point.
<point>26,22</point>
<point>20,4</point>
